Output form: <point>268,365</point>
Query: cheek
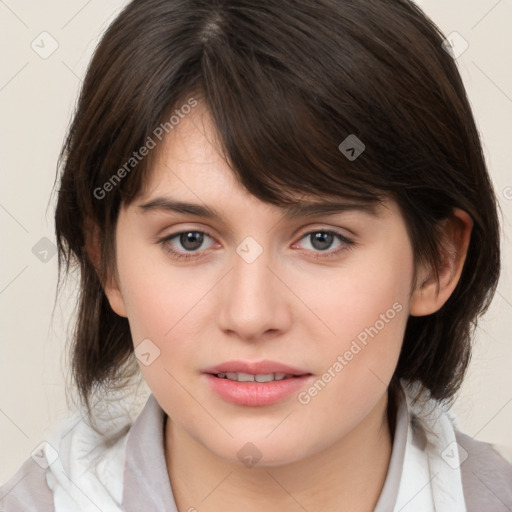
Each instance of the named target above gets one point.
<point>156,293</point>
<point>365,305</point>
<point>161,303</point>
<point>169,306</point>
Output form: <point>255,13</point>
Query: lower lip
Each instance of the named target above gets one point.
<point>256,393</point>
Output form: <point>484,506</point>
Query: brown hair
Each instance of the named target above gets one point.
<point>285,82</point>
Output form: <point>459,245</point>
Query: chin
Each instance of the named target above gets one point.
<point>256,451</point>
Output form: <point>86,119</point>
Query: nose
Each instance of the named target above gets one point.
<point>254,302</point>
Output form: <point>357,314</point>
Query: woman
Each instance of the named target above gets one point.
<point>282,210</point>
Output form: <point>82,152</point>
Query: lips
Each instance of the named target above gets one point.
<point>265,367</point>
<point>254,384</point>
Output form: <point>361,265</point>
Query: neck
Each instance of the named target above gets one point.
<point>347,476</point>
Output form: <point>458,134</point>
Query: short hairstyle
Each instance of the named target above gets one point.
<point>285,83</point>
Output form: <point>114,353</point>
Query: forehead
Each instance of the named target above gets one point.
<point>190,175</point>
<point>189,154</point>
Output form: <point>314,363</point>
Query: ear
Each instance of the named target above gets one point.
<point>430,295</point>
<point>110,285</point>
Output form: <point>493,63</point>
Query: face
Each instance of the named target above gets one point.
<point>326,295</point>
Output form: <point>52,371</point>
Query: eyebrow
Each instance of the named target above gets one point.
<point>300,210</point>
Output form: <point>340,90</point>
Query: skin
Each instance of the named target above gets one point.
<point>288,306</point>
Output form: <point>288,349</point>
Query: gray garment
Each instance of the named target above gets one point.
<point>486,475</point>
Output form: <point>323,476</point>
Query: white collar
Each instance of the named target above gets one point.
<point>431,478</point>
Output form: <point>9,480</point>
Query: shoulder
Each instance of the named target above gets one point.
<point>27,490</point>
<point>486,475</point>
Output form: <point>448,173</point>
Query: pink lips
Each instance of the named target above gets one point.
<point>255,393</point>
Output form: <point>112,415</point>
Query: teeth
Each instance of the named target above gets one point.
<point>244,377</point>
<point>264,378</point>
<point>249,377</point>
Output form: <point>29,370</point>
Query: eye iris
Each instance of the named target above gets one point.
<point>321,240</point>
<point>191,240</point>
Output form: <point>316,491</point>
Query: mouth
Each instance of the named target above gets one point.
<point>255,384</point>
<point>261,371</point>
<point>250,377</point>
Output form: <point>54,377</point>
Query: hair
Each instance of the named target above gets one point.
<point>284,83</point>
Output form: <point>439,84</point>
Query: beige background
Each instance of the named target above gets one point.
<point>37,97</point>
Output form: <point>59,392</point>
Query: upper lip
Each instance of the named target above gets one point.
<point>255,368</point>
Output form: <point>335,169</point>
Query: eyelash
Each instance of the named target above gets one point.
<point>347,244</point>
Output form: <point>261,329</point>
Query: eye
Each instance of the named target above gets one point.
<point>321,241</point>
<point>190,241</point>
